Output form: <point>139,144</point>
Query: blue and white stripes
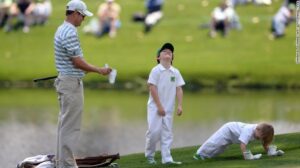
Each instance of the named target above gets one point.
<point>67,45</point>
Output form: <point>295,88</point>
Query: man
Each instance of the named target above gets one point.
<point>71,67</point>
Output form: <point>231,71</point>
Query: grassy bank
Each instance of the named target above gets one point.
<point>290,143</point>
<point>246,57</point>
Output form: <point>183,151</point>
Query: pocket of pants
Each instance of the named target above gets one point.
<point>56,82</point>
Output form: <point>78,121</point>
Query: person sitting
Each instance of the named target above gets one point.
<point>22,10</point>
<point>219,20</point>
<point>41,12</point>
<point>282,19</point>
<point>154,13</point>
<point>5,5</point>
<point>108,15</point>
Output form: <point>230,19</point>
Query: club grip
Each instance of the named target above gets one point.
<point>43,79</point>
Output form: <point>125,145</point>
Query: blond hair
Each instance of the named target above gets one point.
<point>267,133</point>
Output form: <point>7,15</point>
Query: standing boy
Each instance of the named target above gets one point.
<point>165,83</point>
<point>71,67</point>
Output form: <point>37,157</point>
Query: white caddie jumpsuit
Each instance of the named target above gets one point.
<point>229,133</point>
<point>160,128</point>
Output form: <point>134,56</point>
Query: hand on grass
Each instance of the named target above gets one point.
<point>276,153</point>
<point>249,156</point>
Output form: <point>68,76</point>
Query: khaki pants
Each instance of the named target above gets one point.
<point>70,96</point>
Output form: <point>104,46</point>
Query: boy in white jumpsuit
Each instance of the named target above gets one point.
<point>236,133</point>
<point>165,83</point>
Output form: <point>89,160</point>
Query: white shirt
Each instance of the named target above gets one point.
<point>166,81</point>
<point>219,14</point>
<point>282,15</point>
<point>240,132</point>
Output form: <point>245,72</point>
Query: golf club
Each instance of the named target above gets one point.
<point>43,79</point>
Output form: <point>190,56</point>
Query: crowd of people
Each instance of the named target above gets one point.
<point>108,21</point>
<point>15,14</point>
<point>224,17</point>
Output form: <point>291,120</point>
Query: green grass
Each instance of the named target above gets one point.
<point>232,157</point>
<point>246,56</point>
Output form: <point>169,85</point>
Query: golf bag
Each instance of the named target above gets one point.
<point>48,161</point>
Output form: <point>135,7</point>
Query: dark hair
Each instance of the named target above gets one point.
<point>69,12</point>
<point>165,46</point>
<point>158,54</point>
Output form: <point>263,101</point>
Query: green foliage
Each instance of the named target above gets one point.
<point>231,158</point>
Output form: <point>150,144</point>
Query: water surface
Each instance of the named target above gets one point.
<point>115,121</point>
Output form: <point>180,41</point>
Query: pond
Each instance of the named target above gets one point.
<point>115,121</point>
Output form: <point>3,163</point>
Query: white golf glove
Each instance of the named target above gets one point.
<point>257,156</point>
<point>276,153</point>
<point>249,156</point>
<point>272,151</point>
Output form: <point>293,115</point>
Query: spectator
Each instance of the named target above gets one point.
<point>233,18</point>
<point>152,16</point>
<point>282,19</point>
<point>22,10</point>
<point>109,14</point>
<point>42,11</point>
<point>219,16</point>
<point>4,11</point>
<point>219,20</point>
<point>154,13</point>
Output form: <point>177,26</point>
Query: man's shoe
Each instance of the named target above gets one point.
<point>151,160</point>
<point>173,163</point>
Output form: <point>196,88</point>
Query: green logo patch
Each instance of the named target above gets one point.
<point>172,78</point>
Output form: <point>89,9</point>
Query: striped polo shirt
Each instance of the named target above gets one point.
<point>67,45</point>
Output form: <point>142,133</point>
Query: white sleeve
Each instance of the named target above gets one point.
<point>153,77</point>
<point>179,81</point>
<point>245,136</point>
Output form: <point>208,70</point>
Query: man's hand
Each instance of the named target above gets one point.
<point>104,71</point>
